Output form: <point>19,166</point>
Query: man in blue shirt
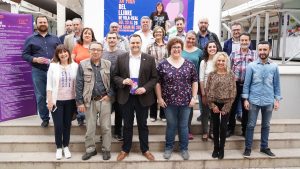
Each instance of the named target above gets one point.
<point>38,50</point>
<point>261,92</point>
<point>204,35</point>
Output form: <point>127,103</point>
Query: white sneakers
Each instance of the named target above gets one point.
<point>67,152</point>
<point>59,153</point>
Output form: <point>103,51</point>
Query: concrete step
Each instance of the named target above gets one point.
<point>31,126</point>
<point>285,158</point>
<point>46,143</point>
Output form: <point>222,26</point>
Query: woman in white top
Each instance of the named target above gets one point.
<point>61,97</point>
<point>206,66</point>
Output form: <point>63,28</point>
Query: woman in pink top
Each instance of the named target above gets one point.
<point>61,97</point>
<point>81,50</point>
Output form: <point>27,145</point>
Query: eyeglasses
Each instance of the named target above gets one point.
<point>94,50</point>
<point>176,47</point>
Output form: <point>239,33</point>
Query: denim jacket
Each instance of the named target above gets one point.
<point>262,84</point>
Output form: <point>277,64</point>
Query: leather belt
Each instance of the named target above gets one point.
<point>97,98</point>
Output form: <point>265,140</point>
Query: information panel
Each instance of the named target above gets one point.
<point>16,89</point>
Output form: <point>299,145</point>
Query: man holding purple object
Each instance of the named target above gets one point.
<point>38,51</point>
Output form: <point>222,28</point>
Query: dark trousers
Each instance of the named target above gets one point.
<point>62,118</point>
<point>153,111</point>
<point>190,119</point>
<point>219,128</point>
<point>232,121</point>
<point>118,118</point>
<point>133,105</point>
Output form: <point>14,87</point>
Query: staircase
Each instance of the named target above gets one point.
<point>25,145</point>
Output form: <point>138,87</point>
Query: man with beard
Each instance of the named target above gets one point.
<point>203,36</point>
<point>122,42</point>
<point>239,62</point>
<point>261,93</point>
<point>135,76</point>
<point>180,25</point>
<point>69,30</point>
<point>71,40</point>
<point>145,33</point>
<point>112,53</point>
<point>38,50</point>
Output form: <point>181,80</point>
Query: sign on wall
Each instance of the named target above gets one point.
<point>129,12</point>
<point>16,91</point>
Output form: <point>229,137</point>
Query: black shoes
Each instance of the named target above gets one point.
<point>80,122</point>
<point>229,133</point>
<point>118,137</point>
<point>267,151</point>
<point>215,154</point>
<point>87,156</point>
<point>221,154</point>
<point>199,118</point>
<point>106,155</point>
<point>247,153</point>
<point>45,123</point>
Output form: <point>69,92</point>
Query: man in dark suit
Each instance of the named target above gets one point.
<point>135,76</point>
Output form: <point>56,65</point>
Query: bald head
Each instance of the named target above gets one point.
<point>203,24</point>
<point>69,26</point>
<point>77,25</point>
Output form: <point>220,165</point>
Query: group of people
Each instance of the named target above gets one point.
<point>83,77</point>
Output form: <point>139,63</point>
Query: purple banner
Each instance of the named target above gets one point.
<point>16,89</point>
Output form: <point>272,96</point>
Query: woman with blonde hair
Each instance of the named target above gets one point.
<point>221,92</point>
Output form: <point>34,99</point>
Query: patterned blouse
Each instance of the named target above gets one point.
<point>159,52</point>
<point>176,83</point>
<point>221,88</point>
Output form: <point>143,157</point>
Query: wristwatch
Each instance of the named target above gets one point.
<point>194,97</point>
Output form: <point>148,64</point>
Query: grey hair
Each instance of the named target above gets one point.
<point>77,19</point>
<point>95,42</point>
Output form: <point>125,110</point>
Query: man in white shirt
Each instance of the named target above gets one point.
<point>145,33</point>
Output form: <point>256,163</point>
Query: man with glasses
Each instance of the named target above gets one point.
<point>93,95</point>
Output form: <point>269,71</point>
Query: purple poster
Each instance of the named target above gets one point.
<point>16,91</point>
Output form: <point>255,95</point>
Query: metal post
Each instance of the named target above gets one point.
<point>252,25</point>
<point>278,54</point>
<point>284,34</point>
<point>267,26</point>
<point>257,30</point>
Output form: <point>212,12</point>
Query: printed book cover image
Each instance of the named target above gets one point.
<point>134,86</point>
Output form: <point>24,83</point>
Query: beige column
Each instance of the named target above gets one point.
<point>61,19</point>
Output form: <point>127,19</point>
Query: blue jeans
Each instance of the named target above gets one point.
<point>177,119</point>
<point>80,116</point>
<point>239,111</point>
<point>39,78</point>
<point>266,113</point>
